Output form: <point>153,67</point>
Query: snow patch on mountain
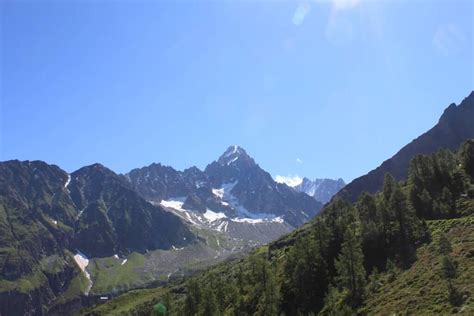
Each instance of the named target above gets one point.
<point>67,181</point>
<point>176,203</point>
<point>213,216</point>
<point>272,219</point>
<point>218,193</point>
<point>234,150</point>
<point>233,160</point>
<point>231,155</point>
<point>82,261</point>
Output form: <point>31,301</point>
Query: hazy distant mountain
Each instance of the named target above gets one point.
<point>455,126</point>
<point>321,189</point>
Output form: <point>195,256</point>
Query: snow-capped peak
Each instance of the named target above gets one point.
<point>233,154</point>
<point>232,150</point>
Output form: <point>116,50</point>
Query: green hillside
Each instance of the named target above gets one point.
<point>422,289</point>
<point>418,290</point>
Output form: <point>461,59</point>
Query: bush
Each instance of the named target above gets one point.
<point>449,267</point>
<point>454,295</point>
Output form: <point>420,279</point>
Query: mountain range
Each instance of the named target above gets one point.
<point>232,195</point>
<point>95,232</point>
<point>67,239</point>
<point>408,248</point>
<point>51,222</point>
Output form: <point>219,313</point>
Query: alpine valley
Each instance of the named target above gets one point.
<point>399,245</point>
<point>71,240</point>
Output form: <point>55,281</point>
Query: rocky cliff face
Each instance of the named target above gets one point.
<point>455,126</point>
<point>114,219</point>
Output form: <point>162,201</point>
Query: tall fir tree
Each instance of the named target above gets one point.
<point>350,265</point>
<point>466,154</point>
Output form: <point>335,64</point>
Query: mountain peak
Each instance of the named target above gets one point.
<point>453,111</point>
<point>470,96</point>
<point>233,154</point>
<point>94,170</point>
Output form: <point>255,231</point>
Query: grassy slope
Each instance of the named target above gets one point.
<point>421,290</point>
<point>128,303</point>
<point>155,267</point>
<point>139,301</point>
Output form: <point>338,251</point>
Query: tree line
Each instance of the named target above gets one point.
<point>331,265</point>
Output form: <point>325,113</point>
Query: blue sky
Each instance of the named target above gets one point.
<point>314,88</point>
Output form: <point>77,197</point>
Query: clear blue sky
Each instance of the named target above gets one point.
<point>316,88</point>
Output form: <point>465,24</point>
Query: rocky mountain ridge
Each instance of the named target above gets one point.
<point>453,128</point>
<point>232,195</point>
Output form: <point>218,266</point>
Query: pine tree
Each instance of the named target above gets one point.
<point>233,298</point>
<point>444,245</point>
<point>388,186</point>
<point>449,267</point>
<point>447,203</point>
<point>406,225</point>
<point>350,265</point>
<point>335,303</point>
<point>425,205</point>
<point>374,233</point>
<point>193,298</point>
<point>367,207</point>
<point>466,154</point>
<point>209,306</point>
<point>269,300</point>
<point>458,183</point>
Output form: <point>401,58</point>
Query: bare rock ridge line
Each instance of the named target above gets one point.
<point>455,125</point>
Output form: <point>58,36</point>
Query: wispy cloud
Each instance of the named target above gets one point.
<point>448,39</point>
<point>301,12</point>
<point>290,180</point>
<point>298,160</point>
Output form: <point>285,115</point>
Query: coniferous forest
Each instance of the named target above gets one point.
<point>347,259</point>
